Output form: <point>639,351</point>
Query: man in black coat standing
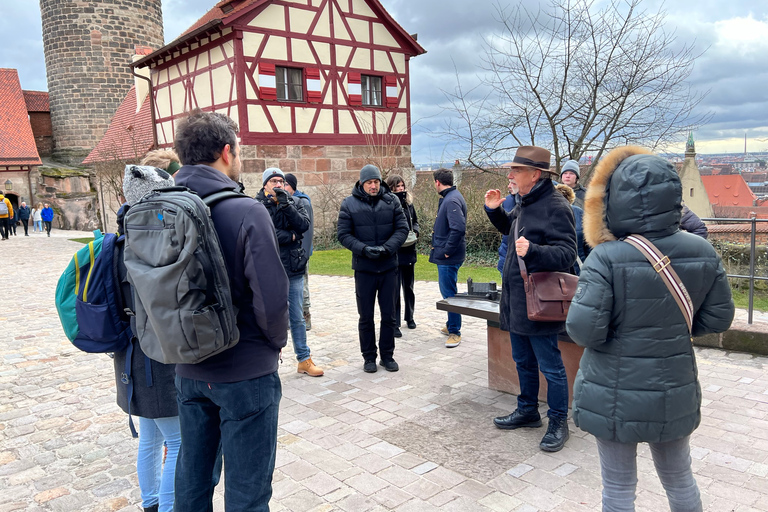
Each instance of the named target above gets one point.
<point>372,225</point>
<point>542,233</point>
<point>24,213</point>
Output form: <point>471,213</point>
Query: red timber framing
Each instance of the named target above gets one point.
<point>325,81</point>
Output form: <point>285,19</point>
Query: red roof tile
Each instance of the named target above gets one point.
<point>129,135</point>
<point>728,190</point>
<point>17,143</point>
<point>37,101</point>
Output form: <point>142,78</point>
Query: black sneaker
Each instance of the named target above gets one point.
<point>398,334</point>
<point>556,436</point>
<point>519,419</point>
<point>411,324</point>
<point>390,365</point>
<point>370,367</point>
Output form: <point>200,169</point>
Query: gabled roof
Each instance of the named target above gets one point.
<point>129,135</point>
<point>227,12</point>
<point>17,142</point>
<point>37,101</point>
<point>728,190</point>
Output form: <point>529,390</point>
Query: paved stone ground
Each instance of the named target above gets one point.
<point>417,440</point>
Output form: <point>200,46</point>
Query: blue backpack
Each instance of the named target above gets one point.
<point>89,300</point>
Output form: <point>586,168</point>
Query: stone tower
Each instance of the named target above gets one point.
<point>88,48</point>
<point>694,193</point>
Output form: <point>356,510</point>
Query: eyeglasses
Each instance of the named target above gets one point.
<point>276,181</point>
<point>518,170</point>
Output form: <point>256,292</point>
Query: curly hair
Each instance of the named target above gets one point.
<point>201,136</point>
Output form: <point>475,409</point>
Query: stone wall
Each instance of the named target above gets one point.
<point>88,48</point>
<point>69,193</point>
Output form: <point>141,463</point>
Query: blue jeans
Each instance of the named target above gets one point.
<point>242,416</point>
<point>296,317</point>
<point>447,279</point>
<point>618,464</point>
<point>38,226</point>
<point>156,481</point>
<point>534,353</point>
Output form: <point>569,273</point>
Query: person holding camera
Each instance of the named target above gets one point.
<point>372,225</point>
<point>291,221</point>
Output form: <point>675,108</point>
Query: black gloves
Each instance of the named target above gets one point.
<point>281,196</point>
<point>374,252</point>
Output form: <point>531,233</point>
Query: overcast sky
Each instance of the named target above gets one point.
<point>734,68</point>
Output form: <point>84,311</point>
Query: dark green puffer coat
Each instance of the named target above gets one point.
<point>638,380</point>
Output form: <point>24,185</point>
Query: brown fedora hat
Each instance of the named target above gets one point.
<point>532,156</point>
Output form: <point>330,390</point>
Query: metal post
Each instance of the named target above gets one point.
<point>752,267</point>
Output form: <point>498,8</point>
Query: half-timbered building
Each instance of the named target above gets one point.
<point>318,87</point>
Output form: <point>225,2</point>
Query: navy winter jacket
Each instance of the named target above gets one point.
<point>448,235</point>
<point>24,212</point>
<point>291,221</point>
<point>372,221</point>
<point>638,381</point>
<point>257,280</point>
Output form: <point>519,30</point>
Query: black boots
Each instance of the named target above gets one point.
<point>153,508</point>
<point>556,436</point>
<point>518,419</point>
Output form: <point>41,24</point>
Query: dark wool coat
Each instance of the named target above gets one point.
<point>372,221</point>
<point>291,222</point>
<point>449,233</point>
<point>407,255</point>
<point>546,221</point>
<point>638,381</point>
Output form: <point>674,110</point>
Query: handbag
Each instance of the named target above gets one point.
<point>548,295</point>
<point>412,236</point>
<point>663,267</point>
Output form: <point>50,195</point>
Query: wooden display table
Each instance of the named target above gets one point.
<point>502,372</point>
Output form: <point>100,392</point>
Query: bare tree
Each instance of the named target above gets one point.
<point>577,79</point>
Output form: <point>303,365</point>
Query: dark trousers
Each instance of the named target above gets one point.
<point>242,417</point>
<point>48,226</point>
<point>25,223</point>
<point>12,227</point>
<point>4,227</point>
<point>368,286</point>
<point>405,281</point>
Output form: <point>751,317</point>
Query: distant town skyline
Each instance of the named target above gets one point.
<point>733,69</point>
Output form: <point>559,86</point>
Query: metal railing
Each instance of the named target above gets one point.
<point>753,220</point>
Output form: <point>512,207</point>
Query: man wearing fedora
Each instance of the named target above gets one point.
<point>546,242</point>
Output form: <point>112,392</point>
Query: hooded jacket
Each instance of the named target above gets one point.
<point>637,380</point>
<point>449,233</point>
<point>366,220</point>
<point>257,280</point>
<point>546,221</point>
<point>291,221</point>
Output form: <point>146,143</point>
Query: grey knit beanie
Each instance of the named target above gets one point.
<point>271,171</point>
<point>573,166</point>
<point>369,172</point>
<point>139,180</point>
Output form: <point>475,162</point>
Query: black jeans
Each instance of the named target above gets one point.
<point>368,286</point>
<point>4,227</point>
<point>405,281</point>
<point>25,223</point>
<point>12,227</point>
<point>47,224</point>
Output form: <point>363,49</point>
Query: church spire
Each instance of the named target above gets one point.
<point>690,148</point>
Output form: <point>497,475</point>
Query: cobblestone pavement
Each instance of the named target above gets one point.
<point>417,440</point>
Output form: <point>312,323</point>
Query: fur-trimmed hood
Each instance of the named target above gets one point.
<point>567,192</point>
<point>632,191</point>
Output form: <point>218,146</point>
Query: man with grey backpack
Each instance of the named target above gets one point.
<point>226,374</point>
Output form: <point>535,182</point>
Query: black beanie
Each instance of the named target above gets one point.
<point>291,180</point>
<point>369,172</point>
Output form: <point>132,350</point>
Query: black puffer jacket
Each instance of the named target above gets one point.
<point>638,381</point>
<point>407,255</point>
<point>372,221</point>
<point>291,222</point>
<point>546,221</point>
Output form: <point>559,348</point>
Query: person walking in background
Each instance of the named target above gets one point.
<point>372,225</point>
<point>291,185</point>
<point>691,223</point>
<point>546,242</point>
<point>449,246</point>
<point>47,216</point>
<point>570,174</point>
<point>509,203</point>
<point>406,255</point>
<point>291,221</point>
<point>37,218</point>
<point>24,214</point>
<point>582,249</point>
<point>153,397</point>
<point>6,213</point>
<point>14,218</point>
<point>637,381</point>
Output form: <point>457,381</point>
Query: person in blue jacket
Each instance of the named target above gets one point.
<point>509,203</point>
<point>47,215</point>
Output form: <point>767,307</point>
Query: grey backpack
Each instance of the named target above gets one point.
<point>3,207</point>
<point>182,300</point>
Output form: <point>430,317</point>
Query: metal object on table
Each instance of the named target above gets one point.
<point>482,291</point>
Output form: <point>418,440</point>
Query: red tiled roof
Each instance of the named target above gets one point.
<point>17,143</point>
<point>37,101</point>
<point>129,135</point>
<point>760,227</point>
<point>217,13</point>
<point>728,190</point>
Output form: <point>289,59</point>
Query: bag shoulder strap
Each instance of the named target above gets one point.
<point>663,267</point>
<point>520,262</point>
<point>214,198</point>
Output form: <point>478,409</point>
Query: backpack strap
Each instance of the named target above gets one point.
<point>214,198</point>
<point>127,379</point>
<point>662,266</point>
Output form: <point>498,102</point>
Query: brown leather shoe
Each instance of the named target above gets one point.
<point>309,368</point>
